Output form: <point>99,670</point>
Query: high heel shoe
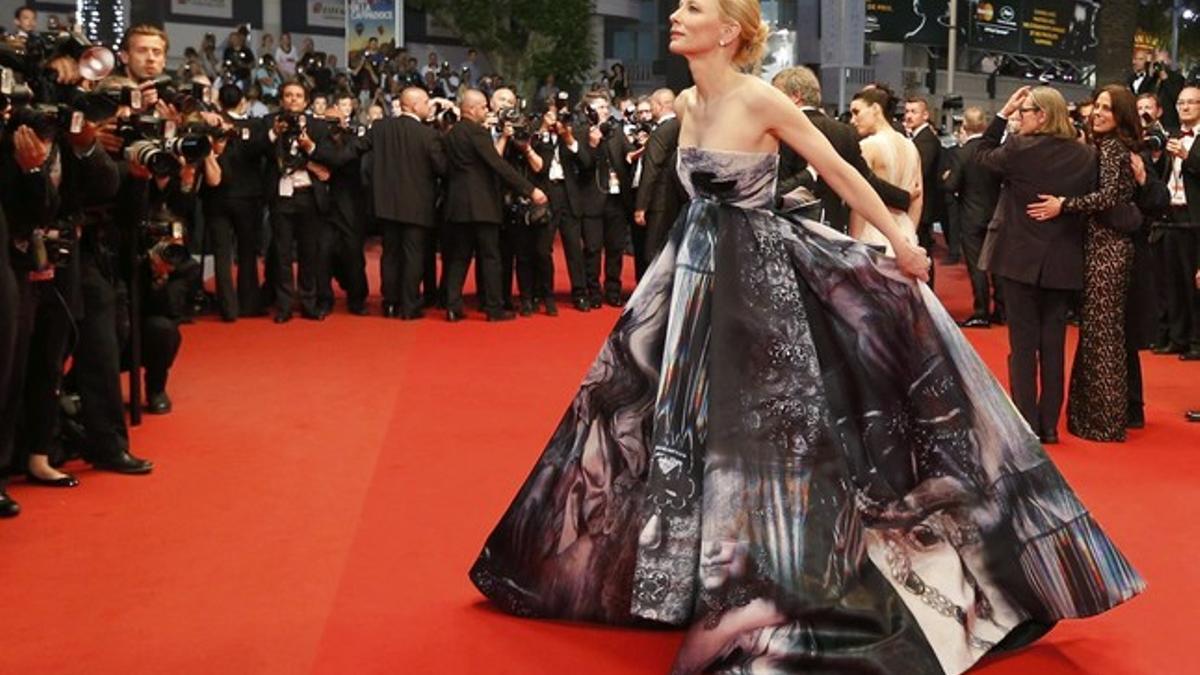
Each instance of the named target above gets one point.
<point>64,481</point>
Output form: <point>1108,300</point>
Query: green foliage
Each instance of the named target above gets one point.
<point>525,40</point>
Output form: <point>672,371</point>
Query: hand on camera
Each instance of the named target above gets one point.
<point>109,140</point>
<point>85,139</point>
<point>595,135</point>
<point>31,151</point>
<point>1175,148</point>
<point>306,143</point>
<point>66,70</point>
<point>538,197</point>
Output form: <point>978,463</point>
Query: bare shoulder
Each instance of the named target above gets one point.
<point>684,101</point>
<point>758,93</point>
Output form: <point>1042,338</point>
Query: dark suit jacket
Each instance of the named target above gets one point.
<point>577,168</point>
<point>660,191</point>
<point>1048,254</point>
<point>930,149</point>
<point>406,160</point>
<point>242,162</point>
<point>977,186</point>
<point>1191,181</point>
<point>793,172</point>
<point>318,131</point>
<point>474,172</point>
<point>608,156</point>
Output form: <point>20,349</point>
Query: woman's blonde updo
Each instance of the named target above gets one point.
<point>752,38</point>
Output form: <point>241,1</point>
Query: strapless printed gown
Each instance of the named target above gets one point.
<point>788,447</point>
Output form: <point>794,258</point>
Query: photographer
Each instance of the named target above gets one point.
<point>474,207</point>
<point>608,202</point>
<point>660,194</point>
<point>567,162</point>
<point>344,234</point>
<point>238,58</point>
<point>298,196</point>
<point>268,78</point>
<point>525,233</point>
<point>233,208</point>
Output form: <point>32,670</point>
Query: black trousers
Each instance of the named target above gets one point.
<point>235,224</point>
<point>297,225</point>
<point>16,330</point>
<point>637,237</point>
<point>97,363</point>
<point>1037,336</point>
<point>983,287</point>
<point>658,227</point>
<point>607,233</point>
<point>1179,246</point>
<point>535,261</point>
<point>510,242</point>
<point>570,232</point>
<point>431,291</point>
<point>481,240</point>
<point>343,257</point>
<point>402,264</point>
<point>925,240</point>
<point>952,228</point>
<point>47,349</point>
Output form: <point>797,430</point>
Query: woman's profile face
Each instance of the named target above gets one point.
<point>696,27</point>
<point>1103,120</point>
<point>864,116</point>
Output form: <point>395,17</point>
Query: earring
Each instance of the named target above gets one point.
<point>722,43</point>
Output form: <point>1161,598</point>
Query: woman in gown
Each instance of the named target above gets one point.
<point>892,157</point>
<point>1098,401</point>
<point>785,444</point>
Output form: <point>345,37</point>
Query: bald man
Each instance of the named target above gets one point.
<point>405,162</point>
<point>660,195</point>
<point>475,208</point>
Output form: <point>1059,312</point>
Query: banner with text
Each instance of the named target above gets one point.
<point>921,22</point>
<point>377,20</point>
<point>326,13</point>
<point>218,9</point>
<point>1062,29</point>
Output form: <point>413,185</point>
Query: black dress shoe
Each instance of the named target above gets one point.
<point>358,309</point>
<point>503,315</point>
<point>551,307</point>
<point>65,481</point>
<point>1050,438</point>
<point>614,300</point>
<point>998,318</point>
<point>976,322</point>
<point>596,301</point>
<point>1192,415</point>
<point>582,304</point>
<point>283,317</point>
<point>454,315</point>
<point>318,315</point>
<point>391,310</point>
<point>526,308</point>
<point>8,507</point>
<point>158,403</point>
<point>412,316</point>
<point>122,462</point>
<point>951,260</point>
<point>1190,355</point>
<point>225,318</point>
<point>1168,348</point>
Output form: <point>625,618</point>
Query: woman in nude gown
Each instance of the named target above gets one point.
<point>893,158</point>
<point>785,445</point>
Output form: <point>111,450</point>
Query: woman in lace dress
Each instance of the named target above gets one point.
<point>892,157</point>
<point>1098,400</point>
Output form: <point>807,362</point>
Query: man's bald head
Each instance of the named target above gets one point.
<point>415,100</point>
<point>474,106</point>
<point>662,102</point>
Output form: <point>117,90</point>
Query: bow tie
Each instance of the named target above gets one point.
<point>1187,133</point>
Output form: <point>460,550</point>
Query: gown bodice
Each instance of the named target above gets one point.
<point>742,179</point>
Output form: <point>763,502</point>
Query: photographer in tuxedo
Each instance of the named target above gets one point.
<point>406,160</point>
<point>607,204</point>
<point>474,207</point>
<point>660,195</point>
<point>567,163</point>
<point>804,89</point>
<point>233,210</point>
<point>298,196</point>
<point>978,191</point>
<point>344,234</point>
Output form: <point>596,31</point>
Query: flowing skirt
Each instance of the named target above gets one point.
<point>789,448</point>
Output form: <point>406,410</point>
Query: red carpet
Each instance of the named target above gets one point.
<point>322,489</point>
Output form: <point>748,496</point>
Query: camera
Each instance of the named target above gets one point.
<point>52,246</point>
<point>521,124</point>
<point>1153,133</point>
<point>164,241</point>
<point>444,115</point>
<point>162,156</point>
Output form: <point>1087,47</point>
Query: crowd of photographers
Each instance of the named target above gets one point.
<point>118,176</point>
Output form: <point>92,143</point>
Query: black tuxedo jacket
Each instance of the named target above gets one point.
<point>318,131</point>
<point>1191,181</point>
<point>242,161</point>
<point>608,156</point>
<point>793,172</point>
<point>341,153</point>
<point>406,158</point>
<point>977,186</point>
<point>660,191</point>
<point>1048,254</point>
<point>474,172</point>
<point>577,168</point>
<point>930,150</point>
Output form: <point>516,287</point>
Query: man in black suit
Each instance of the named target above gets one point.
<point>660,195</point>
<point>474,206</point>
<point>233,209</point>
<point>566,162</point>
<point>977,189</point>
<point>802,86</point>
<point>298,195</point>
<point>1180,237</point>
<point>344,234</point>
<point>608,203</point>
<point>916,122</point>
<point>1040,262</point>
<point>406,161</point>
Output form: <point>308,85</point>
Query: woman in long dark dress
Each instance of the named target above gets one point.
<point>1098,402</point>
<point>786,445</point>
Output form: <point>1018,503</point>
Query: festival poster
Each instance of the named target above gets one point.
<point>217,9</point>
<point>377,19</point>
<point>326,13</point>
